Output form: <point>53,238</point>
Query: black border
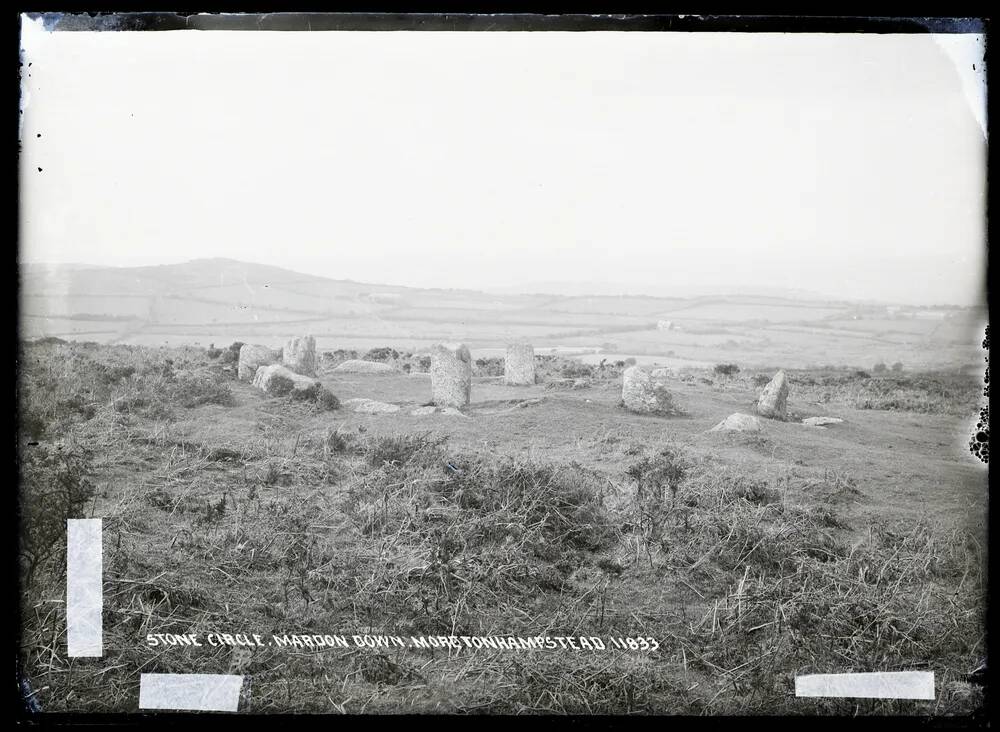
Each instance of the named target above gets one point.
<point>841,19</point>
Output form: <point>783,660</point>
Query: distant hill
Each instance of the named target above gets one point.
<point>222,300</point>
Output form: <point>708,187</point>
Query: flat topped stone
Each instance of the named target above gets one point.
<point>357,366</point>
<point>820,421</point>
<point>738,422</point>
<point>664,372</point>
<point>275,379</point>
<point>371,406</point>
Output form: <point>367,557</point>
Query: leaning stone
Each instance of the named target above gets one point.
<point>738,423</point>
<point>356,366</point>
<point>451,375</point>
<point>252,358</point>
<point>519,365</point>
<point>299,355</point>
<point>773,399</point>
<point>278,379</point>
<point>643,394</point>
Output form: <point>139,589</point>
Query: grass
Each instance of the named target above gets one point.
<point>925,392</point>
<point>745,577</point>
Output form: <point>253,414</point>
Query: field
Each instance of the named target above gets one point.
<point>543,510</point>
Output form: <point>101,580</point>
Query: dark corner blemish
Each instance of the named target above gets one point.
<point>979,445</point>
<point>39,170</point>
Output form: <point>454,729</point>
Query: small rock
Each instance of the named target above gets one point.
<point>452,412</point>
<point>738,422</point>
<point>423,411</point>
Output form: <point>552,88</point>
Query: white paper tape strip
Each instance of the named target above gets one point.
<point>190,692</point>
<point>882,685</point>
<point>84,588</point>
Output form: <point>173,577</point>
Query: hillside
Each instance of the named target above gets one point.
<point>222,300</point>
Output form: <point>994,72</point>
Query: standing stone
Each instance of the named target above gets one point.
<point>773,399</point>
<point>253,357</point>
<point>299,355</point>
<point>643,393</point>
<point>519,364</point>
<point>451,375</point>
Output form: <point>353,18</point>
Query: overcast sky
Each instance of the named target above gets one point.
<point>849,165</point>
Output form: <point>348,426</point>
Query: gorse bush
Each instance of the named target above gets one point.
<point>726,369</point>
<point>382,354</point>
<point>54,487</point>
<point>489,367</point>
<point>317,394</point>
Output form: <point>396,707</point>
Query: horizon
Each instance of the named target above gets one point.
<point>526,288</point>
<point>849,165</point>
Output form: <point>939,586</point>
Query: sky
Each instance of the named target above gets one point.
<point>847,165</point>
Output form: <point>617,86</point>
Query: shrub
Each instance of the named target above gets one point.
<point>327,400</point>
<point>281,385</point>
<point>54,488</point>
<point>382,354</point>
<point>879,368</point>
<point>232,354</point>
<point>193,390</point>
<point>337,442</point>
<point>578,371</point>
<point>212,352</point>
<point>318,394</point>
<point>489,366</point>
<point>629,361</point>
<point>655,477</point>
<point>761,380</point>
<point>726,369</point>
<point>398,449</point>
<point>897,367</point>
